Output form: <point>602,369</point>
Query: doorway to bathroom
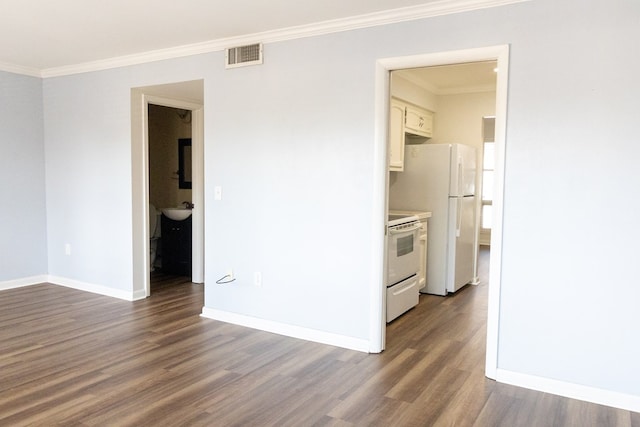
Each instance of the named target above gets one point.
<point>170,195</point>
<point>164,119</point>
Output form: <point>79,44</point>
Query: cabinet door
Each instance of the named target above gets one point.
<point>170,243</point>
<point>396,136</point>
<point>419,122</point>
<point>184,259</point>
<point>176,246</point>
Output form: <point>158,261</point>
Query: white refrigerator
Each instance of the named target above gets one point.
<point>440,178</point>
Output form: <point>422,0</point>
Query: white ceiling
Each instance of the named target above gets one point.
<point>45,34</point>
<point>40,35</point>
<point>451,79</point>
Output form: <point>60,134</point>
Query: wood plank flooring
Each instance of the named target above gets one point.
<point>77,359</point>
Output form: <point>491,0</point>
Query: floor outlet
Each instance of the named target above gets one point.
<point>257,279</point>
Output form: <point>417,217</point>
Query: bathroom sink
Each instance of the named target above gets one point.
<point>177,214</point>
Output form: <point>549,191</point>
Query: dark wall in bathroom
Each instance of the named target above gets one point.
<point>166,126</point>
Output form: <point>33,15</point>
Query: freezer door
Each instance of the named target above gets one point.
<point>461,242</point>
<point>424,181</point>
<point>463,170</point>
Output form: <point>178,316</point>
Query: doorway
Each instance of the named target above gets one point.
<point>170,195</point>
<point>383,95</point>
<point>185,96</point>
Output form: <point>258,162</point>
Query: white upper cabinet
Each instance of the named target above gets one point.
<point>405,118</point>
<point>418,121</point>
<point>396,135</point>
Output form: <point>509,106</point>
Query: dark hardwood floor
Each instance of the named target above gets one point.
<point>77,359</point>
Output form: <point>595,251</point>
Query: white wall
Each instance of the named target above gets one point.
<point>408,91</point>
<point>459,118</point>
<point>23,238</point>
<point>291,144</point>
<point>88,163</point>
<point>569,296</point>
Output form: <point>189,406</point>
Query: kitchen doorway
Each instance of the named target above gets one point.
<point>384,68</point>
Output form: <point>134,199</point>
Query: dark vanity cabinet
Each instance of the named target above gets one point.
<point>176,246</point>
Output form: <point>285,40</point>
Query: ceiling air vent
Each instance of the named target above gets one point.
<point>244,55</point>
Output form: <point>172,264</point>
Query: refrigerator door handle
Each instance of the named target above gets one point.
<point>460,183</point>
<point>458,216</point>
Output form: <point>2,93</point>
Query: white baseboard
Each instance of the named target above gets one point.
<point>614,399</point>
<point>287,330</point>
<point>96,289</point>
<point>75,284</point>
<point>138,295</point>
<point>25,281</point>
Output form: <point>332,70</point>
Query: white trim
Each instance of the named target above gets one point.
<point>495,259</point>
<point>96,289</point>
<point>468,89</point>
<point>23,281</point>
<point>139,192</point>
<point>484,239</point>
<point>197,195</point>
<point>19,69</point>
<point>74,284</point>
<point>599,396</point>
<point>378,296</point>
<point>383,67</point>
<point>411,13</point>
<point>172,102</point>
<point>141,174</point>
<point>287,330</point>
<point>448,91</point>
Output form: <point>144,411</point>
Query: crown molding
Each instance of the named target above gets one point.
<point>19,69</point>
<point>459,90</point>
<point>420,83</point>
<point>135,59</point>
<point>411,13</point>
<point>467,89</point>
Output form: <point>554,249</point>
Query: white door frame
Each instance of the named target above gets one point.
<point>377,326</point>
<point>140,194</point>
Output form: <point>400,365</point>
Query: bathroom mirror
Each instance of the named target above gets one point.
<point>184,163</point>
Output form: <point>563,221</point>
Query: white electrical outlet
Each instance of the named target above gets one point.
<point>257,279</point>
<point>67,249</point>
<point>217,193</point>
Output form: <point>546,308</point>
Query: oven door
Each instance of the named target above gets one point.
<point>403,259</point>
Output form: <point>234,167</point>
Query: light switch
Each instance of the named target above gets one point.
<point>217,193</point>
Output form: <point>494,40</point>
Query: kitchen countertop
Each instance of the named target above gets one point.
<point>420,214</point>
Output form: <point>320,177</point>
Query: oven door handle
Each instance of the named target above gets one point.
<point>406,288</point>
<point>404,230</point>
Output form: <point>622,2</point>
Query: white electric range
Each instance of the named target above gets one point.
<point>403,264</point>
